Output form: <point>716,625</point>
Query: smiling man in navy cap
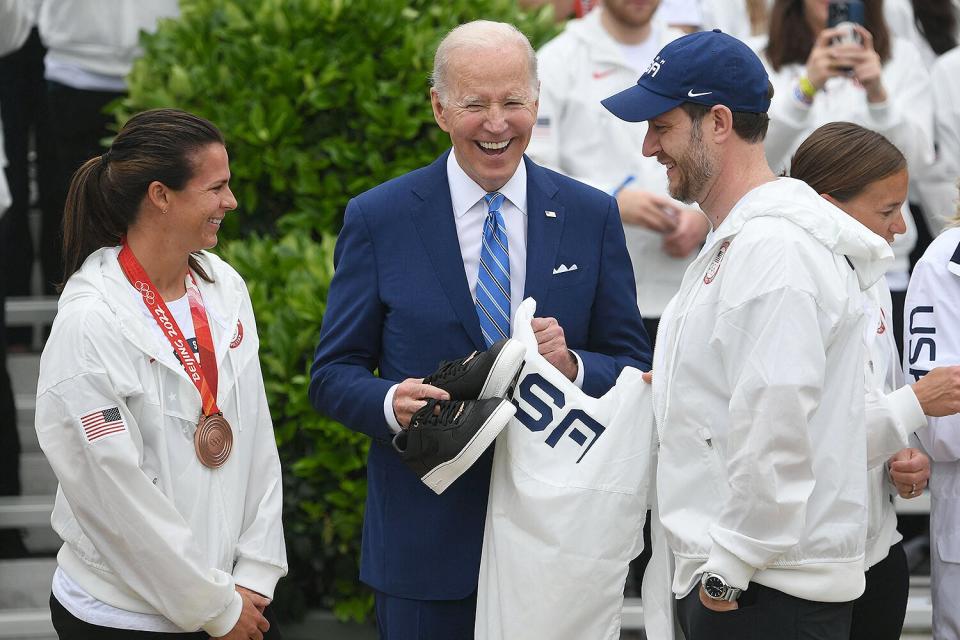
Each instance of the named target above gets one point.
<point>759,363</point>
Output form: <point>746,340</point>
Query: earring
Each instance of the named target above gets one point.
<point>164,211</point>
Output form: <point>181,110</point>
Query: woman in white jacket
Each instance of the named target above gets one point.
<point>932,318</point>
<point>864,175</point>
<point>150,405</point>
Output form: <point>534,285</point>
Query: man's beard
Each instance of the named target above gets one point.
<point>695,169</point>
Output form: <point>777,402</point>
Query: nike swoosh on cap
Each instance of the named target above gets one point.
<point>691,94</point>
<point>602,74</point>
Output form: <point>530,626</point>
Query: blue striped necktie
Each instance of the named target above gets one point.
<point>493,281</point>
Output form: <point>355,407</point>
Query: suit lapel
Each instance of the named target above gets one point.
<point>435,224</point>
<point>543,231</point>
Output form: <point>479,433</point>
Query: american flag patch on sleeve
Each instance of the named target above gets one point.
<point>102,423</point>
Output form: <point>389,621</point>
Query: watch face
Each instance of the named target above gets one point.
<point>714,587</point>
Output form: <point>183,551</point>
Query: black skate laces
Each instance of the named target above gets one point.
<point>450,411</point>
<point>450,370</point>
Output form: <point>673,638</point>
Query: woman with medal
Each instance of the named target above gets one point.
<point>150,405</point>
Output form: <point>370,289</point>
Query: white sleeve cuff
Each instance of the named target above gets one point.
<point>388,414</point>
<point>221,624</point>
<point>881,115</point>
<point>257,576</point>
<point>579,379</point>
<point>907,410</point>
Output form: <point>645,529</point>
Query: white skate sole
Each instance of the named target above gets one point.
<point>443,475</point>
<point>504,370</point>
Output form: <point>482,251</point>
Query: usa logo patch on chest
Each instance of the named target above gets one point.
<point>715,263</point>
<point>237,336</point>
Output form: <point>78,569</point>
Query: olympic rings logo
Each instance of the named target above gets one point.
<point>145,291</point>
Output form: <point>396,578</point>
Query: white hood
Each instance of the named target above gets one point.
<point>794,200</point>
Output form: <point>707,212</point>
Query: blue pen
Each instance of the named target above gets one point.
<point>623,185</point>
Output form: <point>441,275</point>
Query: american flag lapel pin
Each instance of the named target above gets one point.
<point>550,214</point>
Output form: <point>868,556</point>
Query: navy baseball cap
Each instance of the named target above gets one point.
<point>707,67</point>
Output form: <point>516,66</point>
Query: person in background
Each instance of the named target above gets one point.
<point>14,30</point>
<point>90,49</point>
<point>932,25</point>
<point>865,176</point>
<point>937,184</point>
<point>28,141</point>
<point>879,83</point>
<point>151,407</point>
<point>594,57</point>
<point>562,9</point>
<point>938,190</point>
<point>742,19</point>
<point>412,287</point>
<point>931,321</point>
<point>685,15</point>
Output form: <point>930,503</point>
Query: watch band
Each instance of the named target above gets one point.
<point>717,588</point>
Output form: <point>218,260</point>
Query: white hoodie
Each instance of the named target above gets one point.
<point>892,414</point>
<point>759,398</point>
<point>932,339</point>
<point>146,527</point>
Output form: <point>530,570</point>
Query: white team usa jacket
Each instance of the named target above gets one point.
<point>568,499</point>
<point>892,414</point>
<point>146,527</point>
<point>932,339</point>
<point>758,391</point>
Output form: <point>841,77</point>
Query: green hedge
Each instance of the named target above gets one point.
<point>324,486</point>
<point>319,100</point>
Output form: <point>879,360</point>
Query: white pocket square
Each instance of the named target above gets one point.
<point>564,269</point>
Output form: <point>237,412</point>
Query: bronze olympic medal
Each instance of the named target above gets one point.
<point>213,440</point>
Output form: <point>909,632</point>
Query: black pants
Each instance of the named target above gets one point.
<point>11,545</point>
<point>9,438</point>
<point>26,126</point>
<point>878,614</point>
<point>69,627</point>
<point>765,614</point>
<point>78,123</point>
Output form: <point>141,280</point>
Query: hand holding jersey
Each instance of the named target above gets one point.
<point>565,468</point>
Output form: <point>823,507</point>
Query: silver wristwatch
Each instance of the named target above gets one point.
<point>717,588</point>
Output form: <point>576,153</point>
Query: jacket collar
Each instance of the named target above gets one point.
<point>794,200</point>
<point>101,277</point>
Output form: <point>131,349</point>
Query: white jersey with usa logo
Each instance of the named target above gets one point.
<point>568,498</point>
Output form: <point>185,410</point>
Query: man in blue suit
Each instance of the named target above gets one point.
<point>411,262</point>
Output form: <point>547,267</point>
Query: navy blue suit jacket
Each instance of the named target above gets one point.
<point>399,303</point>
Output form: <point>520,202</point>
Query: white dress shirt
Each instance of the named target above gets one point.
<point>470,212</point>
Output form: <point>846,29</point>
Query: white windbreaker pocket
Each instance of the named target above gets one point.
<point>948,537</point>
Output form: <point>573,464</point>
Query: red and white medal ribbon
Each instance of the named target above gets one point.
<point>213,438</point>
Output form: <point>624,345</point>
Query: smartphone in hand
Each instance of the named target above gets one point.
<point>844,14</point>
